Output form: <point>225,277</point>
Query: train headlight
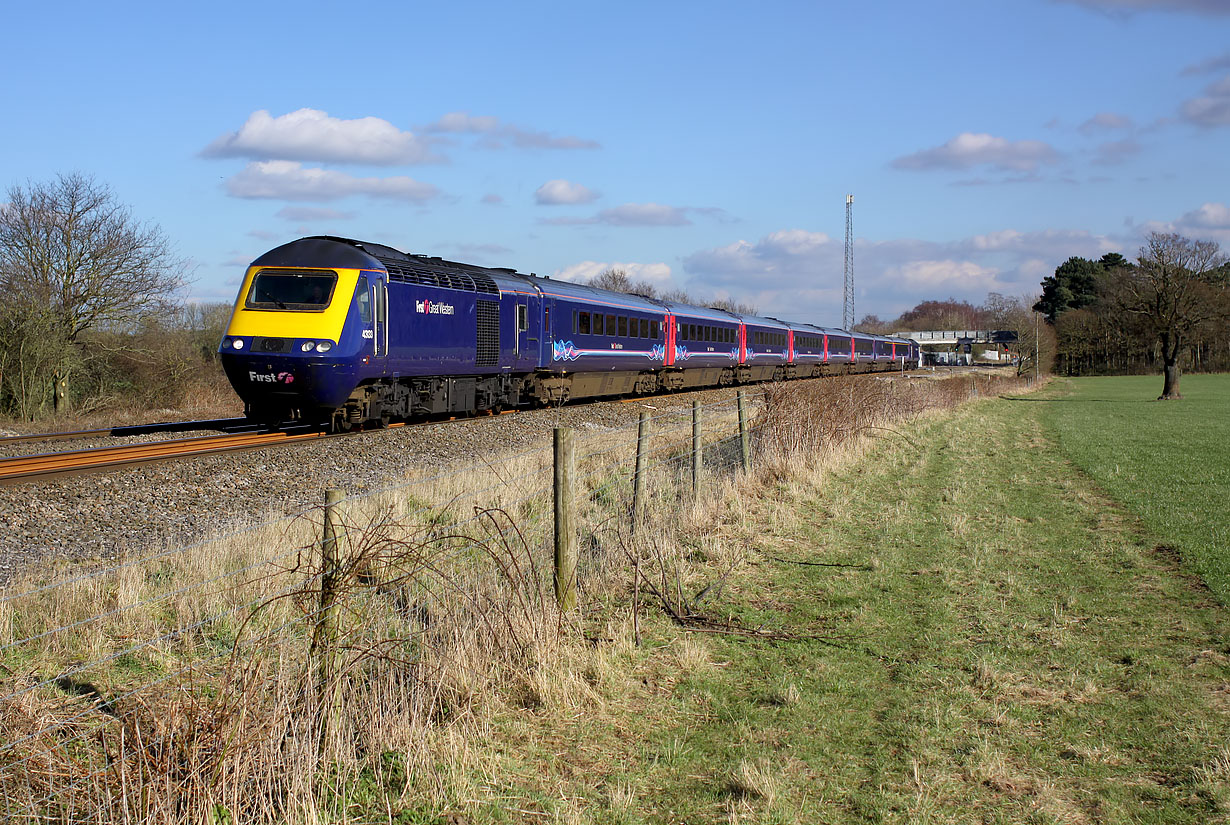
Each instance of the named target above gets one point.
<point>307,346</point>
<point>324,346</point>
<point>237,343</point>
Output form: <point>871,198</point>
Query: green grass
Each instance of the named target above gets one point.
<point>1168,461</point>
<point>1003,645</point>
<point>1006,648</point>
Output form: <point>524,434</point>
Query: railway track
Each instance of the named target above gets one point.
<point>18,469</point>
<point>222,424</point>
<point>42,466</point>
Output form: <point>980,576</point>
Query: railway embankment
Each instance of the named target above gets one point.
<point>913,607</point>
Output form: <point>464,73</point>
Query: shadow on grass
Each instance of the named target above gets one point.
<point>1080,400</point>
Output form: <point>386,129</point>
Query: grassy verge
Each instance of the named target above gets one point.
<point>975,634</point>
<point>1168,461</point>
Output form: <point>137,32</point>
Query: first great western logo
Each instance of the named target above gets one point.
<point>426,307</point>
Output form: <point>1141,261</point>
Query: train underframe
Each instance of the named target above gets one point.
<point>383,400</point>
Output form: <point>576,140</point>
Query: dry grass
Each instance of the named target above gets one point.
<point>184,687</point>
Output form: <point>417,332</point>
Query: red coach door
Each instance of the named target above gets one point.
<point>742,343</point>
<point>789,346</point>
<point>669,357</point>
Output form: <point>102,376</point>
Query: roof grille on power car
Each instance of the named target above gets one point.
<point>439,274</point>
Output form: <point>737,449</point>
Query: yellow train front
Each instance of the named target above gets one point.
<point>303,330</point>
<point>345,333</point>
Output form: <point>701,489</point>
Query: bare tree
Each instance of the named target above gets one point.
<point>73,257</point>
<point>616,280</point>
<point>1175,289</point>
<point>731,305</point>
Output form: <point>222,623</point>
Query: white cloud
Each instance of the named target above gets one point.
<point>645,214</point>
<point>1105,121</point>
<point>312,213</point>
<point>1208,216</point>
<point>1213,64</point>
<point>799,275</point>
<point>1211,110</point>
<point>498,134</point>
<point>1208,222</point>
<point>559,191</point>
<point>1114,152</point>
<point>288,180</point>
<point>312,135</point>
<point>463,122</point>
<point>939,277</point>
<point>969,149</point>
<point>658,274</point>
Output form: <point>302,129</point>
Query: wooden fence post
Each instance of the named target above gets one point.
<point>696,450</point>
<point>745,444</point>
<point>324,636</point>
<point>638,480</point>
<point>565,521</point>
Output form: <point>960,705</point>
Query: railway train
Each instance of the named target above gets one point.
<point>346,333</point>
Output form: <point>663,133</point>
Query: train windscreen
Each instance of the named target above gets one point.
<point>290,290</point>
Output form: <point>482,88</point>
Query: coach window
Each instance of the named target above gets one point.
<point>653,329</point>
<point>623,325</point>
<point>583,323</point>
<point>523,318</point>
<point>633,328</point>
<point>610,325</point>
<point>363,297</point>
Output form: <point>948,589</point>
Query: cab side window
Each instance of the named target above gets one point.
<point>363,298</point>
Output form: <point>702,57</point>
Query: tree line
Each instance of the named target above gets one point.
<point>1035,341</point>
<point>91,310</point>
<point>1168,311</point>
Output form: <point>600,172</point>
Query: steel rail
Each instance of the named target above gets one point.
<point>18,469</point>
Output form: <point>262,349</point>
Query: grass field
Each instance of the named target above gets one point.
<point>1168,461</point>
<point>971,631</point>
<point>989,614</point>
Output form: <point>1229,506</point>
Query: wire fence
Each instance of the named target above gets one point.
<point>240,677</point>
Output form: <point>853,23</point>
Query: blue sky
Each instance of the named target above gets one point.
<point>706,145</point>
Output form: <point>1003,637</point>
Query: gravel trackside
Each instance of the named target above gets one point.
<point>99,517</point>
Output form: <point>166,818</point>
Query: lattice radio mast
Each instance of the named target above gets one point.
<point>847,315</point>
